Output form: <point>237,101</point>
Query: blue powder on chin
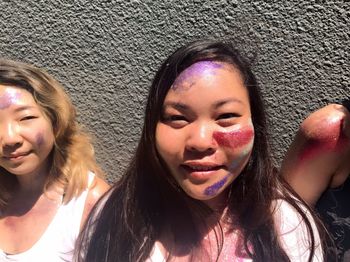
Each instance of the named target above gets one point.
<point>211,190</point>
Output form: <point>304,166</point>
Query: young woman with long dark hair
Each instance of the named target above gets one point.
<point>201,185</point>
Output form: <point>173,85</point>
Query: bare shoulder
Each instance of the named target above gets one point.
<point>325,120</point>
<point>98,188</point>
<point>96,191</point>
<point>319,154</point>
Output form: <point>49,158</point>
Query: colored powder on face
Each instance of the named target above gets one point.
<point>8,98</point>
<point>238,161</point>
<point>330,140</point>
<point>188,77</point>
<point>213,189</point>
<point>39,139</point>
<point>234,139</point>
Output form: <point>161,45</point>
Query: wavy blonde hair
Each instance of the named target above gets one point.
<point>72,156</point>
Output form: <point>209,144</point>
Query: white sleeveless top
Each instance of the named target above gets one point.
<point>292,233</point>
<point>58,241</point>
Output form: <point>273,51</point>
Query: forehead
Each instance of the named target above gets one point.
<point>10,95</point>
<point>209,80</point>
<point>200,69</point>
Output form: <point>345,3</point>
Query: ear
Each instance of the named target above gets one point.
<point>55,128</point>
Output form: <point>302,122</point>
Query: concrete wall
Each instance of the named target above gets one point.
<point>106,52</point>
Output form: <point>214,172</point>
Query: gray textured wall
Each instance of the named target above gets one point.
<point>106,52</point>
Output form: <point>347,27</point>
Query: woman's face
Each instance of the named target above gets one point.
<point>26,135</point>
<point>206,134</point>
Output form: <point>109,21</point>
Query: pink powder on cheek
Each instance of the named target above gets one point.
<point>234,139</point>
<point>187,78</point>
<point>9,98</point>
<point>330,140</point>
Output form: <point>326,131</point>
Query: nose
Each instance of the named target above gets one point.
<point>9,135</point>
<point>200,138</point>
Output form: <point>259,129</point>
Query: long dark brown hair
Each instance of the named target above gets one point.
<point>128,221</point>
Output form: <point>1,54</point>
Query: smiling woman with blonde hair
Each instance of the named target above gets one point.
<point>49,179</point>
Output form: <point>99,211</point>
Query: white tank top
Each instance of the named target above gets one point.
<point>57,242</point>
<point>293,236</point>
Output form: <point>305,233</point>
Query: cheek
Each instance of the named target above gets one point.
<point>44,139</point>
<point>239,143</point>
<point>166,147</point>
<point>235,139</point>
<point>240,160</point>
<point>39,139</point>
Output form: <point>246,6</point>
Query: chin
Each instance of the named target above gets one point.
<point>199,195</point>
<point>21,171</point>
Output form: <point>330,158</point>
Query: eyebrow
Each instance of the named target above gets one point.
<point>176,105</point>
<point>182,106</point>
<point>227,101</point>
<point>22,108</point>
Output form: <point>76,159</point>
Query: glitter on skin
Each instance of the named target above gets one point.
<point>8,98</point>
<point>188,77</point>
<point>211,190</point>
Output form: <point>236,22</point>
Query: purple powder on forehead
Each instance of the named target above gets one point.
<point>211,190</point>
<point>9,98</point>
<point>187,78</point>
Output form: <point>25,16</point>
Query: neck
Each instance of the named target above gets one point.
<point>219,202</point>
<point>30,191</point>
<point>219,206</point>
<point>33,182</point>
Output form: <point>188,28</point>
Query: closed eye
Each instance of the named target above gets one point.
<point>176,118</point>
<point>175,121</point>
<point>28,118</point>
<point>227,119</point>
<point>227,116</point>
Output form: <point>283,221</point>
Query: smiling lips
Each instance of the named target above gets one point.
<point>16,156</point>
<point>200,171</point>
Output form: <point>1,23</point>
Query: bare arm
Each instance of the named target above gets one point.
<point>319,156</point>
